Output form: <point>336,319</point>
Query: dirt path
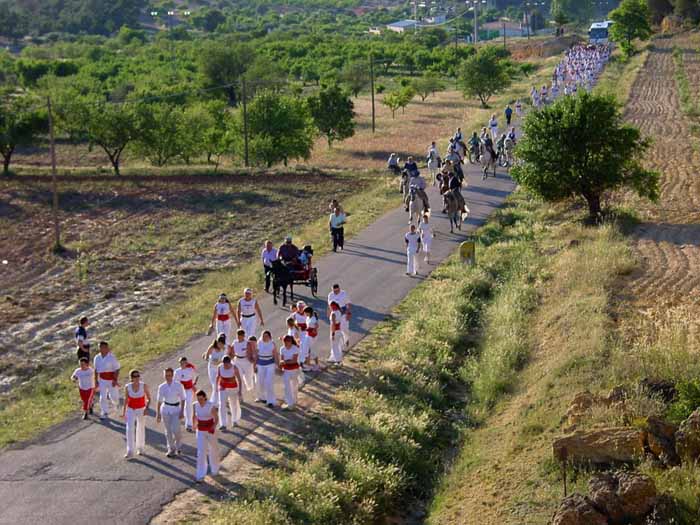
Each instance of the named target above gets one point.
<point>667,242</point>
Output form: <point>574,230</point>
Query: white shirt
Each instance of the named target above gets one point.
<point>288,353</point>
<point>493,123</point>
<point>203,413</point>
<point>266,349</point>
<point>184,374</point>
<point>426,232</point>
<point>223,309</point>
<point>170,393</point>
<point>239,348</point>
<point>247,307</point>
<point>311,323</point>
<point>107,363</point>
<point>337,220</point>
<point>86,378</point>
<point>341,298</point>
<point>418,182</point>
<point>412,241</point>
<point>267,256</point>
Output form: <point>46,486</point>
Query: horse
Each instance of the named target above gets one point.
<point>282,278</point>
<point>433,167</point>
<point>488,160</point>
<point>403,183</point>
<point>415,208</point>
<point>454,210</point>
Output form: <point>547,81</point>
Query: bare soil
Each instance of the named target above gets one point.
<point>132,244</point>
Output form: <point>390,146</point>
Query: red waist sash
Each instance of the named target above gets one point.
<point>336,327</point>
<point>227,382</point>
<point>187,385</point>
<point>223,317</point>
<point>136,402</point>
<point>205,425</point>
<point>107,376</point>
<point>290,366</point>
<point>302,326</point>
<point>312,332</point>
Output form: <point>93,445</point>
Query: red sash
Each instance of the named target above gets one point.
<point>223,317</point>
<point>302,326</point>
<point>107,376</point>
<point>136,402</point>
<point>227,382</point>
<point>187,385</point>
<point>205,425</point>
<point>290,366</point>
<point>336,327</point>
<point>312,332</point>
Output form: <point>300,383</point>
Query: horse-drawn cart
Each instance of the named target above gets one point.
<point>299,272</point>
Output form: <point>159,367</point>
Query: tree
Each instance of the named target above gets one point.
<point>164,135</point>
<point>280,128</point>
<point>427,85</point>
<point>484,74</point>
<point>559,17</point>
<point>20,124</point>
<point>632,20</point>
<point>688,9</point>
<point>355,75</point>
<point>222,64</point>
<point>393,102</point>
<point>659,9</point>
<point>92,118</point>
<point>580,147</point>
<point>333,113</point>
<point>578,10</point>
<point>406,95</point>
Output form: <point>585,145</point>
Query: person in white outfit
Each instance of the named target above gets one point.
<point>136,401</point>
<point>213,356</point>
<point>267,359</point>
<point>228,382</point>
<point>84,376</point>
<point>248,312</point>
<point>289,363</point>
<point>206,417</point>
<point>433,161</point>
<point>493,125</point>
<point>413,244</point>
<point>221,318</point>
<point>343,299</point>
<point>335,319</point>
<point>186,375</point>
<point>426,236</point>
<point>243,360</point>
<point>308,344</point>
<point>300,323</point>
<point>170,408</point>
<point>107,374</point>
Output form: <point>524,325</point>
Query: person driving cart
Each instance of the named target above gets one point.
<point>288,251</point>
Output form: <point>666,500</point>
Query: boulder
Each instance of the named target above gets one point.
<point>662,389</point>
<point>624,497</point>
<point>688,438</point>
<point>578,510</point>
<point>602,446</point>
<point>580,406</point>
<point>661,440</point>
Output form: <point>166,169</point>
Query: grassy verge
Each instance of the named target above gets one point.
<point>382,440</point>
<point>620,73</point>
<point>685,93</point>
<point>168,327</point>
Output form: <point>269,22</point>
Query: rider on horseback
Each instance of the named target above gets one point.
<point>454,186</point>
<point>411,167</point>
<point>393,163</point>
<point>417,184</point>
<point>488,144</point>
<point>474,145</point>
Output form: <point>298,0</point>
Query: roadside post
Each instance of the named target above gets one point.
<point>467,251</point>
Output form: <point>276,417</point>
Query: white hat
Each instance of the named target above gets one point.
<point>248,290</point>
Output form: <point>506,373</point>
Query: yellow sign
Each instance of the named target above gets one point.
<point>467,252</point>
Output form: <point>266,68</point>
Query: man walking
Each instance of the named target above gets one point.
<point>81,339</point>
<point>107,374</point>
<point>170,407</point>
<point>412,249</point>
<point>509,114</point>
<point>269,254</point>
<point>336,223</point>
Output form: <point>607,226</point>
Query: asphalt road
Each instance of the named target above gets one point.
<point>75,473</point>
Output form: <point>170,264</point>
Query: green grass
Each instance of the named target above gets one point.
<point>170,326</point>
<point>620,73</point>
<point>689,106</point>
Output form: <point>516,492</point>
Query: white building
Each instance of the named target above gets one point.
<point>402,26</point>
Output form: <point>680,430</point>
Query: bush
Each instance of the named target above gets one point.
<point>687,402</point>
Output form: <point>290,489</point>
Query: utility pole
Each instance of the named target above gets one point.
<point>504,35</point>
<point>245,122</point>
<point>57,248</point>
<point>527,21</point>
<point>371,87</point>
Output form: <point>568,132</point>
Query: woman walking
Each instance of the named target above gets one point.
<point>221,318</point>
<point>243,360</point>
<point>137,398</point>
<point>493,125</point>
<point>213,356</point>
<point>267,358</point>
<point>228,383</point>
<point>311,334</point>
<point>206,415</point>
<point>426,236</point>
<point>289,361</point>
<point>336,357</point>
<point>84,376</point>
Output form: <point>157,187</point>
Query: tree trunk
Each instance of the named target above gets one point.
<point>594,209</point>
<point>6,158</point>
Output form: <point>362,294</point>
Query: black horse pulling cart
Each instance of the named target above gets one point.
<point>299,272</point>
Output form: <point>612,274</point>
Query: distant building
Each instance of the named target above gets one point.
<point>402,26</point>
<point>437,19</point>
<point>374,31</point>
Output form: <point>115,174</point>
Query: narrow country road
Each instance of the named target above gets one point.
<point>76,474</point>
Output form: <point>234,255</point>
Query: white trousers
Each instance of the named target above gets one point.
<point>247,370</point>
<point>291,386</point>
<point>213,372</point>
<point>345,328</point>
<point>135,430</point>
<point>266,383</point>
<point>411,261</point>
<point>494,133</point>
<point>107,393</point>
<point>207,454</point>
<point>307,348</point>
<point>250,325</point>
<point>427,243</point>
<point>336,348</point>
<point>224,327</point>
<point>171,423</point>
<point>228,399</point>
<point>189,400</point>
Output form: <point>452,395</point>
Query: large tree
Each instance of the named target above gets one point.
<point>427,84</point>
<point>333,113</point>
<point>280,128</point>
<point>223,65</point>
<point>580,147</point>
<point>484,74</point>
<point>22,119</point>
<point>632,20</point>
<point>355,75</point>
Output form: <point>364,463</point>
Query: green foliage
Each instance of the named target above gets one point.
<point>484,74</point>
<point>559,17</point>
<point>688,9</point>
<point>632,20</point>
<point>687,401</point>
<point>333,113</point>
<point>22,120</point>
<point>355,76</point>
<point>280,128</point>
<point>580,11</point>
<point>393,101</point>
<point>428,84</point>
<point>580,147</point>
<point>164,134</point>
<point>223,64</point>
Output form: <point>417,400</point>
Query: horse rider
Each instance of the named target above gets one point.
<point>393,164</point>
<point>500,144</point>
<point>474,144</point>
<point>288,251</point>
<point>511,136</point>
<point>454,185</point>
<point>458,135</point>
<point>488,145</point>
<point>418,184</point>
<point>411,167</point>
<point>454,158</point>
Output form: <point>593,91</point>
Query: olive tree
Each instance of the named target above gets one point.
<point>21,122</point>
<point>333,113</point>
<point>484,74</point>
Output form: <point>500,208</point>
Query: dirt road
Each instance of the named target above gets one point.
<point>78,462</point>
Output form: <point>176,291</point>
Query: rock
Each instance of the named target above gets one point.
<point>580,406</point>
<point>578,510</point>
<point>624,497</point>
<point>688,438</point>
<point>661,441</point>
<point>660,388</point>
<point>601,446</point>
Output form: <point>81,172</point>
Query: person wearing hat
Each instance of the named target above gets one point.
<point>288,251</point>
<point>221,318</point>
<point>248,312</point>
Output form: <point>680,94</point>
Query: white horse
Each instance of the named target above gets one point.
<point>415,207</point>
<point>434,167</point>
<point>488,161</point>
